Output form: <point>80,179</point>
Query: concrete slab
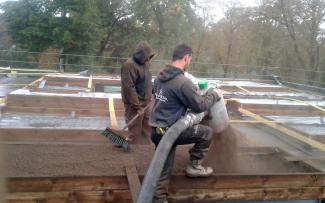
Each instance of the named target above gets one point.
<point>56,122</point>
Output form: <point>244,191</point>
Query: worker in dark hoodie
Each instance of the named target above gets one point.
<point>174,95</point>
<point>136,92</point>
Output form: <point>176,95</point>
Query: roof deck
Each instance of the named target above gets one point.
<point>274,148</point>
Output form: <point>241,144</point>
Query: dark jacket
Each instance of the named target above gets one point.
<point>174,94</point>
<point>136,77</point>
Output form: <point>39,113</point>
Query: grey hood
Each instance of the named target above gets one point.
<point>169,73</point>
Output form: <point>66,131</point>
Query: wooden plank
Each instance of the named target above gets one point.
<point>106,82</point>
<point>34,82</point>
<point>81,82</point>
<point>48,135</point>
<point>105,196</point>
<point>112,114</point>
<point>12,85</point>
<point>23,201</point>
<point>134,182</point>
<point>249,194</point>
<point>243,89</point>
<point>90,83</point>
<point>23,185</point>
<point>62,111</point>
<point>28,70</point>
<point>286,131</point>
<point>62,105</point>
<point>26,74</point>
<point>176,196</point>
<point>57,101</point>
<point>60,101</point>
<point>225,181</point>
<point>215,188</point>
<point>56,91</point>
<point>248,181</point>
<point>3,172</point>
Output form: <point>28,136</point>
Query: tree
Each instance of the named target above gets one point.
<point>302,20</point>
<point>228,34</point>
<point>167,22</point>
<point>118,23</point>
<point>28,24</point>
<point>71,26</point>
<point>5,40</point>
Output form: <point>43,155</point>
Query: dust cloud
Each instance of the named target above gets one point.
<point>226,155</point>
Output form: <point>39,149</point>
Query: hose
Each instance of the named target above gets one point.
<point>156,166</point>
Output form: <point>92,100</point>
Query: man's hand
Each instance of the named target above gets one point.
<point>140,111</point>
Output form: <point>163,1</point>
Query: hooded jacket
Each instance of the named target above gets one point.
<point>174,94</point>
<point>136,77</point>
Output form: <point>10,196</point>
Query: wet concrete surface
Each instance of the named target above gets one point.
<point>5,82</point>
<point>11,120</point>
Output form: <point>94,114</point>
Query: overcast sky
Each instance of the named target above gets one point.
<point>215,8</point>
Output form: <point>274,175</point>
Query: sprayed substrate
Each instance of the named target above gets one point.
<point>227,156</point>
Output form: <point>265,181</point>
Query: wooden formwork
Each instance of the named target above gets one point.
<point>254,89</point>
<point>47,135</point>
<point>64,101</point>
<point>61,104</point>
<point>117,187</point>
<point>278,109</point>
<point>217,188</point>
<point>79,81</point>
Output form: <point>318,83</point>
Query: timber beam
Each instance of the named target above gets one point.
<point>220,187</point>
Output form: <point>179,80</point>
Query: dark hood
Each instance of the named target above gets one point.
<point>169,73</point>
<point>143,53</point>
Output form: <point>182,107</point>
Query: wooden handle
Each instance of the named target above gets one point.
<point>135,117</point>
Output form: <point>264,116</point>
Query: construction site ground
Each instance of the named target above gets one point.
<point>54,151</point>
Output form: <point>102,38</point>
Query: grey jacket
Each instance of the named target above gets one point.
<point>174,94</point>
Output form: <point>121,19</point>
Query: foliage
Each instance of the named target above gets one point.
<point>282,33</point>
<point>37,25</point>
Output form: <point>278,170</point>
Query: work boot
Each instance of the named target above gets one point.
<point>194,169</point>
<point>159,200</point>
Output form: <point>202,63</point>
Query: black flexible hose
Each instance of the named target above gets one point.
<point>156,166</point>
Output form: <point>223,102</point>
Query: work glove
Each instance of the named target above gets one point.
<point>193,119</point>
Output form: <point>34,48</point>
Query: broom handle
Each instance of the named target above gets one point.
<point>135,117</point>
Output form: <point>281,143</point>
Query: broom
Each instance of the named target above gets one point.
<point>121,137</point>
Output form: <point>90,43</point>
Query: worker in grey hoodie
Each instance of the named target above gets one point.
<point>174,95</point>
